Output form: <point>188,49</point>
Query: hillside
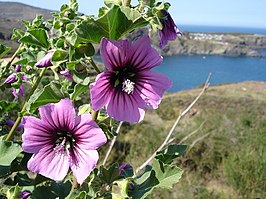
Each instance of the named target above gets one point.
<point>226,44</point>
<point>11,16</point>
<point>230,162</point>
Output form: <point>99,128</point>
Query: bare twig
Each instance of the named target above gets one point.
<point>197,140</point>
<point>192,133</point>
<point>188,136</point>
<point>112,143</point>
<point>205,87</point>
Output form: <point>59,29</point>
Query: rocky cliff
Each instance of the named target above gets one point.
<point>227,44</point>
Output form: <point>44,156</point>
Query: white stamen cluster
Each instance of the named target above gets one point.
<point>128,86</point>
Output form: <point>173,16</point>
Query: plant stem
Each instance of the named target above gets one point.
<point>112,143</point>
<point>175,124</point>
<point>17,122</point>
<point>94,65</point>
<point>94,115</point>
<point>12,59</point>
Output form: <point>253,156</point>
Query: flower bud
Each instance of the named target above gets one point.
<point>11,79</point>
<point>45,61</point>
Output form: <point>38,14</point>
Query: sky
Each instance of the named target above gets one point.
<point>236,13</point>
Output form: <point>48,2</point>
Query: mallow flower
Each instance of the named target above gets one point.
<point>60,140</point>
<point>128,86</point>
<point>46,61</point>
<point>169,30</point>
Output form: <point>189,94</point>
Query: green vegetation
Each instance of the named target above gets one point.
<point>230,162</point>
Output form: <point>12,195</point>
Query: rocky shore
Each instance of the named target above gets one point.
<point>225,44</point>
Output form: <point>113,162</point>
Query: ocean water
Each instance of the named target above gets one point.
<point>188,72</point>
<point>223,29</point>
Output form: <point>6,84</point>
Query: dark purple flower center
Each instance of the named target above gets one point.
<point>124,79</point>
<point>65,140</point>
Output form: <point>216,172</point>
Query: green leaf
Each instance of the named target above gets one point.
<point>110,175</point>
<point>85,108</point>
<point>109,3</point>
<point>81,77</point>
<point>78,89</point>
<point>3,50</point>
<point>144,185</point>
<point>170,153</point>
<point>90,31</point>
<point>13,192</point>
<point>4,170</point>
<point>59,56</point>
<point>166,174</point>
<point>51,93</point>
<point>6,106</point>
<point>114,24</point>
<point>36,37</point>
<point>84,49</point>
<point>8,151</point>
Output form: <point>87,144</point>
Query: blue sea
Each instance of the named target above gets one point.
<point>188,72</point>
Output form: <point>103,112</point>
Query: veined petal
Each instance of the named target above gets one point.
<point>83,162</point>
<point>143,56</point>
<point>50,163</point>
<point>151,86</point>
<point>101,90</point>
<point>125,107</point>
<point>114,53</point>
<point>36,134</point>
<point>89,135</point>
<point>63,114</point>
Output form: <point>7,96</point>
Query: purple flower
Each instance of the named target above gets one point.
<point>128,87</point>
<point>24,195</point>
<point>62,139</point>
<point>11,123</point>
<point>11,79</point>
<point>20,91</point>
<point>45,61</point>
<point>123,167</point>
<point>66,74</point>
<point>169,31</point>
<point>18,68</point>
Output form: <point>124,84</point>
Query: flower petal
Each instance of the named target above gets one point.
<point>83,162</point>
<point>89,135</point>
<point>151,86</point>
<point>60,115</point>
<point>36,134</point>
<point>126,107</point>
<point>114,53</point>
<point>143,56</point>
<point>50,163</point>
<point>101,90</point>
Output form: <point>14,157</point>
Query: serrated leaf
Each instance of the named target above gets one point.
<point>170,153</point>
<point>51,93</point>
<point>3,50</point>
<point>168,175</point>
<point>37,37</point>
<point>78,89</point>
<point>8,152</point>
